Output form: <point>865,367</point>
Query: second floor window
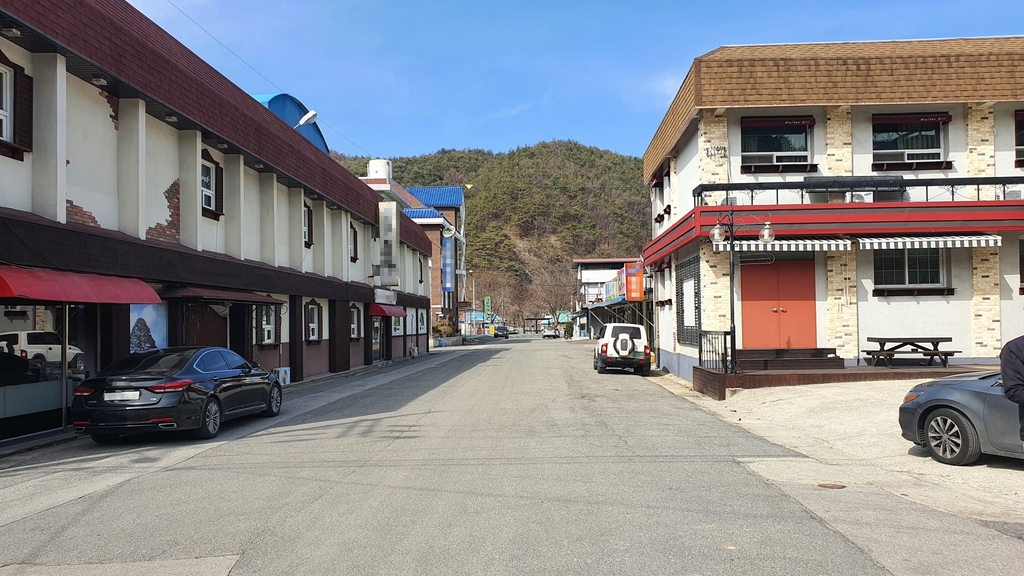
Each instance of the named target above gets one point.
<point>908,138</point>
<point>6,102</point>
<point>775,140</point>
<point>1019,140</point>
<point>307,225</point>
<point>353,243</point>
<point>207,183</point>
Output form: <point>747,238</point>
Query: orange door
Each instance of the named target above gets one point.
<point>778,305</point>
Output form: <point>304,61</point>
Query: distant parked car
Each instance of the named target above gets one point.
<point>958,418</point>
<point>622,346</point>
<point>513,330</point>
<point>41,348</point>
<point>173,389</point>
<point>501,332</point>
<point>549,332</point>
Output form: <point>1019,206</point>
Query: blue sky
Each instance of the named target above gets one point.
<point>404,77</point>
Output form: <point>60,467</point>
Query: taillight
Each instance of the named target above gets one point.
<point>80,423</point>
<point>647,351</point>
<point>24,354</point>
<point>176,386</point>
<point>604,349</point>
<point>82,391</point>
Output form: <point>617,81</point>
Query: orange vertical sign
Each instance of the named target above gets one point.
<point>635,282</point>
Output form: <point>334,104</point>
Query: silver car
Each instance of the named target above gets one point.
<point>958,418</point>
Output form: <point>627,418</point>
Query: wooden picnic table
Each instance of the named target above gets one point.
<point>926,346</point>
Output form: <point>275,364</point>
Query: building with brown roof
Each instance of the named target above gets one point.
<point>890,174</point>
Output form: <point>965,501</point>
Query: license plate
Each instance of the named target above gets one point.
<point>126,395</point>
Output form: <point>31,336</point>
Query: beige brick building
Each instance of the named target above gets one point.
<point>890,174</point>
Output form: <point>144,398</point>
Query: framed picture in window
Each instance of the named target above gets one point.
<point>421,321</point>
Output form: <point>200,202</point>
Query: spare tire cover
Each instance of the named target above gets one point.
<point>623,345</point>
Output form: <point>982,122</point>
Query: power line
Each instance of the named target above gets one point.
<point>260,74</point>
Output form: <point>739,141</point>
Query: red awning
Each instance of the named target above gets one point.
<point>386,310</point>
<point>218,295</point>
<point>940,117</point>
<point>57,286</point>
<point>777,121</point>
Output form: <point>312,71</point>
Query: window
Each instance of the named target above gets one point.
<point>688,301</point>
<point>6,101</point>
<point>1020,256</point>
<point>353,243</point>
<point>15,110</point>
<point>212,361</point>
<point>1019,142</point>
<point>421,270</point>
<point>354,321</point>
<point>43,339</point>
<point>908,142</point>
<point>211,185</point>
<point>268,321</point>
<point>314,321</point>
<point>307,225</point>
<point>908,267</point>
<point>233,360</point>
<point>776,144</point>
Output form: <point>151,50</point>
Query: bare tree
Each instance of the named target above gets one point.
<point>553,288</point>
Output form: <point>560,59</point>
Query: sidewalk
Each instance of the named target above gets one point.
<point>851,433</point>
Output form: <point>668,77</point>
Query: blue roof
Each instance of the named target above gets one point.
<point>415,213</point>
<point>289,109</point>
<point>438,196</point>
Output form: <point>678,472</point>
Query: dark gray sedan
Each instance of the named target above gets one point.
<point>958,418</point>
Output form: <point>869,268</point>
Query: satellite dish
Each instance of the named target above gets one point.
<point>448,232</point>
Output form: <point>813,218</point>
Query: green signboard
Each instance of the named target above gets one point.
<point>487,306</point>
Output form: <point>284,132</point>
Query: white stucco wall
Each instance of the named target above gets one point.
<point>917,316</point>
<point>161,169</point>
<point>15,176</point>
<point>283,233</point>
<point>251,216</point>
<point>92,152</point>
<point>1012,303</point>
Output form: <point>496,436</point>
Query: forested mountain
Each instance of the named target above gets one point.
<point>533,209</point>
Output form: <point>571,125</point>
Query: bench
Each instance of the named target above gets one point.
<point>888,348</point>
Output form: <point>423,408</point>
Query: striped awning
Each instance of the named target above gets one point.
<point>900,242</point>
<point>786,245</point>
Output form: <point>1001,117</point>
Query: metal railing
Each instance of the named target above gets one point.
<point>713,350</point>
<point>857,189</point>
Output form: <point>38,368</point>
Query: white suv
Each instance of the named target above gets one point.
<point>622,346</point>
<point>41,348</point>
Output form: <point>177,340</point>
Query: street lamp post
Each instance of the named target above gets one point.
<point>718,234</point>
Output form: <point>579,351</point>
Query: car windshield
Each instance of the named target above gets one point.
<point>632,331</point>
<point>151,363</point>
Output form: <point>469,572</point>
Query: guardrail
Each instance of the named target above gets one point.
<point>713,350</point>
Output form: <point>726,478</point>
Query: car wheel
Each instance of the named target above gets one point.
<point>37,361</point>
<point>77,364</point>
<point>209,424</point>
<point>642,371</point>
<point>601,368</point>
<point>105,438</point>
<point>950,438</point>
<point>274,404</point>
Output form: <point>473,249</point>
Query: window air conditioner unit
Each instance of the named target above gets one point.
<point>1012,195</point>
<point>283,374</point>
<point>862,196</point>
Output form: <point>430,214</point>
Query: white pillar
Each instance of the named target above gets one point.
<point>234,205</point>
<point>190,147</point>
<point>50,137</point>
<point>339,243</point>
<point>131,167</point>
<point>322,232</point>
<point>297,248</point>
<point>268,219</point>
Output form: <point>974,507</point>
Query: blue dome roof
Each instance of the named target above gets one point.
<point>289,109</point>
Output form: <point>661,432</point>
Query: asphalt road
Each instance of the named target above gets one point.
<point>513,457</point>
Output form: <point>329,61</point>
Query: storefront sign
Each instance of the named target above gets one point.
<point>385,296</point>
<point>447,265</point>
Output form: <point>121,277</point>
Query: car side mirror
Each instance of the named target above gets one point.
<point>254,365</point>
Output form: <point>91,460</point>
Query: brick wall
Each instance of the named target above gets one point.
<point>714,289</point>
<point>79,215</point>
<point>985,313</point>
<point>169,231</point>
<point>838,141</point>
<point>981,155</point>
<point>713,147</point>
<point>841,303</point>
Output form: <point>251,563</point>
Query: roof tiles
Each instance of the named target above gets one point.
<point>438,196</point>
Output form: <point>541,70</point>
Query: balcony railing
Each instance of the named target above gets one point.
<point>713,350</point>
<point>858,189</point>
